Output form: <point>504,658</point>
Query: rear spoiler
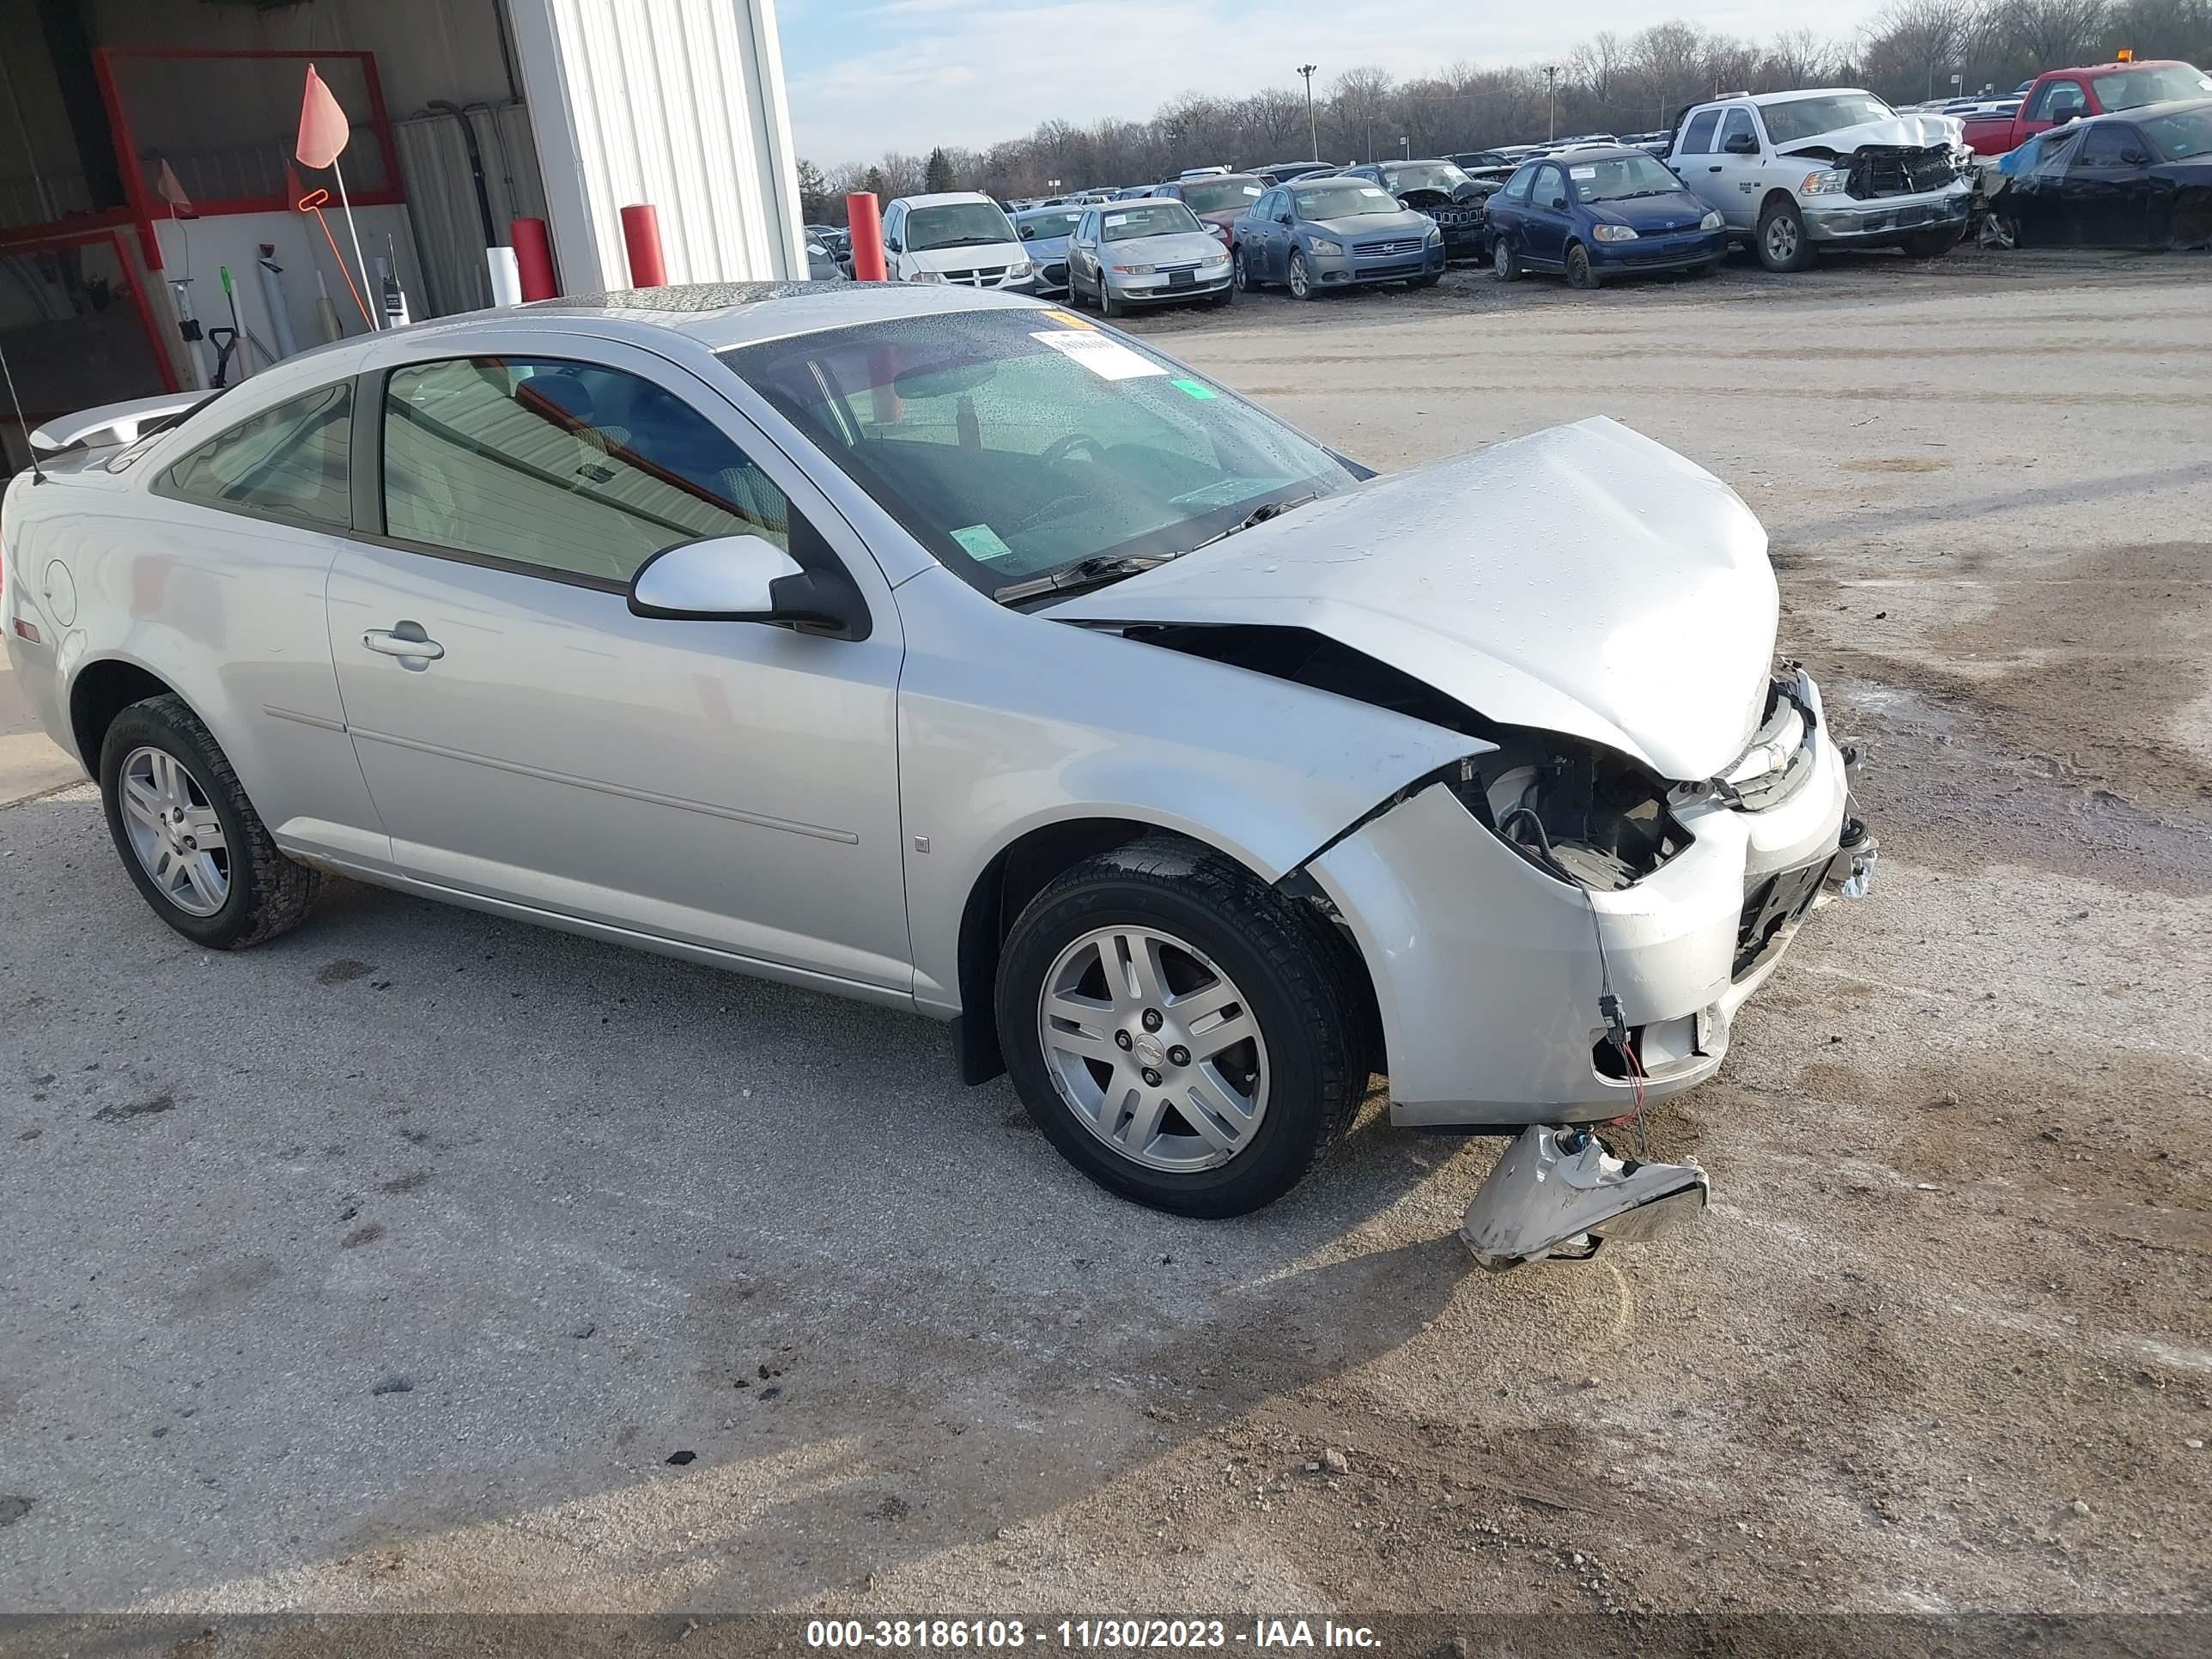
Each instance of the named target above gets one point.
<point>113,423</point>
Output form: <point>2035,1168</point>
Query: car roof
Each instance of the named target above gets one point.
<point>721,315</point>
<point>1592,153</point>
<point>2108,68</point>
<point>2142,112</point>
<point>942,198</point>
<point>1763,99</point>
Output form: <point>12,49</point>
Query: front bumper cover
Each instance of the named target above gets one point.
<point>1881,219</point>
<point>1487,972</point>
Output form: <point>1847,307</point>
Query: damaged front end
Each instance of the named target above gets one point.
<point>1460,215</point>
<point>1873,171</point>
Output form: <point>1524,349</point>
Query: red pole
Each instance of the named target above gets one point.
<point>641,237</point>
<point>534,259</point>
<point>864,216</point>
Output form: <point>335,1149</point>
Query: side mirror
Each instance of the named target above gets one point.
<point>1282,218</point>
<point>744,579</point>
<point>891,243</point>
<point>1741,143</point>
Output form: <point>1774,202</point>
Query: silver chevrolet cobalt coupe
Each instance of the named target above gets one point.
<point>945,649</point>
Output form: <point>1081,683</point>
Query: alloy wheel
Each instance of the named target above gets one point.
<point>1154,1049</point>
<point>1301,283</point>
<point>1782,238</point>
<point>174,831</point>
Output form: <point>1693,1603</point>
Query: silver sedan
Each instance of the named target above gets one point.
<point>1147,253</point>
<point>946,650</point>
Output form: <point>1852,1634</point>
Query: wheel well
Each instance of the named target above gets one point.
<point>103,690</point>
<point>1774,196</point>
<point>1023,870</point>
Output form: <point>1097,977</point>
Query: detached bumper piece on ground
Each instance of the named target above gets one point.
<point>1561,1193</point>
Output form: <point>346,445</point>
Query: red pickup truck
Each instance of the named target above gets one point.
<point>2061,96</point>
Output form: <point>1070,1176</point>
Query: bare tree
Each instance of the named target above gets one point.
<point>1359,99</point>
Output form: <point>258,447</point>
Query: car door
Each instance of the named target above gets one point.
<point>530,741</point>
<point>1697,166</point>
<point>895,241</point>
<point>2036,201</point>
<point>1545,218</point>
<point>1738,162</point>
<point>1506,210</point>
<point>1256,232</point>
<point>2105,205</point>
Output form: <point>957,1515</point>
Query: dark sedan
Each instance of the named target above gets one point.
<point>1442,191</point>
<point>2139,180</point>
<point>1589,213</point>
<point>1217,198</point>
<point>1335,232</point>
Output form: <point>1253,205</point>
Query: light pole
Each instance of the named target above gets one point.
<point>1405,146</point>
<point>1313,132</point>
<point>1551,97</point>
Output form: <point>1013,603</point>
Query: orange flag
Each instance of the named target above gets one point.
<point>324,128</point>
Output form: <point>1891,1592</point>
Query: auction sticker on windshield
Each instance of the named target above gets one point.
<point>1584,173</point>
<point>1109,360</point>
<point>1369,189</point>
<point>981,541</point>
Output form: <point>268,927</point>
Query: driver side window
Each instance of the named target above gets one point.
<point>568,470</point>
<point>1516,187</point>
<point>2059,98</point>
<point>1736,129</point>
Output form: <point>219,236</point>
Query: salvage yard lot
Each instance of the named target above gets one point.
<point>595,1209</point>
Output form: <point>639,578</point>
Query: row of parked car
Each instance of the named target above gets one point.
<point>2117,155</point>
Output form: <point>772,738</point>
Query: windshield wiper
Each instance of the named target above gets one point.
<point>1259,514</point>
<point>960,241</point>
<point>1083,573</point>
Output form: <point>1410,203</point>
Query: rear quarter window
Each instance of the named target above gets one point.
<point>288,462</point>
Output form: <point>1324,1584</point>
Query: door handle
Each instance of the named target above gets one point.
<point>407,640</point>
<point>1715,167</point>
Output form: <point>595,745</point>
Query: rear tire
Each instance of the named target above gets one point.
<point>1245,280</point>
<point>1293,1083</point>
<point>1782,244</point>
<point>159,755</point>
<point>1504,263</point>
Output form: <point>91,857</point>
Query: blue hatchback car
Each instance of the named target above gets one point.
<point>1599,212</point>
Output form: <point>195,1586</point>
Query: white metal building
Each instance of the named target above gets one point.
<point>466,114</point>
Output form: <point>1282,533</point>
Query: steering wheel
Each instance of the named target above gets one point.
<point>1061,448</point>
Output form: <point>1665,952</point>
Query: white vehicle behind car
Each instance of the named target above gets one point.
<point>955,236</point>
<point>1794,171</point>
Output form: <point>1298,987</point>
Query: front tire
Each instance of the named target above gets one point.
<point>1932,244</point>
<point>1784,246</point>
<point>1302,281</point>
<point>1185,1036</point>
<point>1580,272</point>
<point>188,836</point>
<point>1108,305</point>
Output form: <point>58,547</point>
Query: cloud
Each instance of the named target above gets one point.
<point>870,75</point>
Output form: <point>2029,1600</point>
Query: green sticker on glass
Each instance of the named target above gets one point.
<point>1197,389</point>
<point>982,541</point>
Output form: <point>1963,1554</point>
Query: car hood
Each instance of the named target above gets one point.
<point>1046,247</point>
<point>1366,227</point>
<point>1174,247</point>
<point>1583,580</point>
<point>1675,210</point>
<point>975,256</point>
<point>1902,130</point>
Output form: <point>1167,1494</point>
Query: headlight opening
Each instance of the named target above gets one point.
<point>1579,812</point>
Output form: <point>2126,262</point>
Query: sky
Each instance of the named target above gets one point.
<point>865,76</point>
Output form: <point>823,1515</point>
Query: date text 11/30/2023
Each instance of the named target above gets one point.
<point>984,1636</point>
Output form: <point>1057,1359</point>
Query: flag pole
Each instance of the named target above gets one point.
<point>353,231</point>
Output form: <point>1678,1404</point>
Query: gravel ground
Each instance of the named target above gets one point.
<point>395,1264</point>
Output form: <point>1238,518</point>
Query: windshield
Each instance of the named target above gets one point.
<point>1018,442</point>
<point>2133,88</point>
<point>1219,195</point>
<point>956,224</point>
<point>1801,118</point>
<point>1163,218</point>
<point>1045,226</point>
<point>2181,137</point>
<point>1424,175</point>
<point>1350,199</point>
<point>1618,177</point>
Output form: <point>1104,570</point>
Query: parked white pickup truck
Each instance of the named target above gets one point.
<point>1793,171</point>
